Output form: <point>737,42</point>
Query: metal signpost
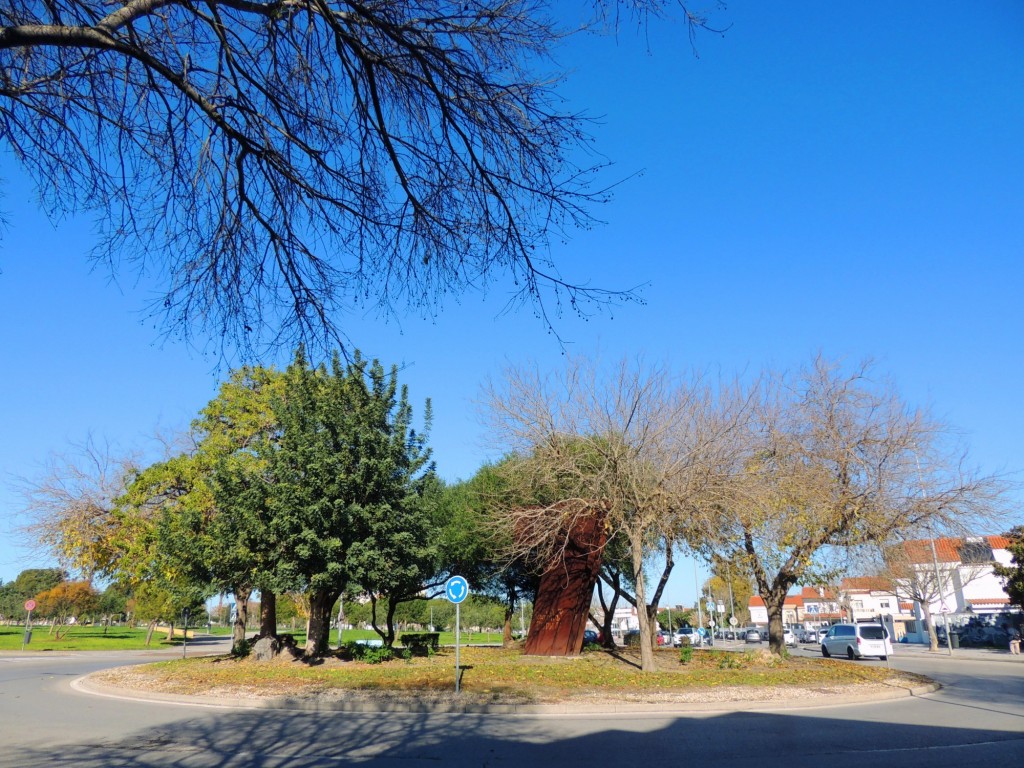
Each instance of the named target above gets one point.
<point>30,605</point>
<point>456,590</point>
<point>184,638</point>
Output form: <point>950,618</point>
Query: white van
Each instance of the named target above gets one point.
<point>855,641</point>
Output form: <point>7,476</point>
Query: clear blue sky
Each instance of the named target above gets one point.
<point>843,178</point>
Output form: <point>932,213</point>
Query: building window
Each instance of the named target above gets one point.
<point>883,604</point>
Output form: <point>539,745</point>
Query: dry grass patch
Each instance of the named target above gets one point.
<point>508,676</point>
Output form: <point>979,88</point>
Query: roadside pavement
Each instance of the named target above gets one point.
<point>966,653</point>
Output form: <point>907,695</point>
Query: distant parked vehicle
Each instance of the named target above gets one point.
<point>590,637</point>
<point>789,638</point>
<point>752,636</point>
<point>690,634</point>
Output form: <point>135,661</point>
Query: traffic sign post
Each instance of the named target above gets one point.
<point>29,606</point>
<point>456,590</point>
<point>184,637</point>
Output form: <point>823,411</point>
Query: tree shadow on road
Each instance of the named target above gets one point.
<point>216,738</point>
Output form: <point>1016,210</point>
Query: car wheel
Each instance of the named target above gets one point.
<point>850,654</point>
<point>824,651</point>
<point>884,658</point>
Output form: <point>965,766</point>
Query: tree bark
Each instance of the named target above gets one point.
<point>268,614</point>
<point>776,638</point>
<point>318,626</point>
<point>149,632</point>
<point>241,618</point>
<point>615,583</point>
<point>646,636</point>
<point>933,636</point>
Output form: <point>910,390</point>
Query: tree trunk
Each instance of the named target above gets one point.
<point>775,599</point>
<point>933,637</point>
<point>776,638</point>
<point>506,630</point>
<point>318,626</point>
<point>646,636</point>
<point>389,639</point>
<point>170,632</point>
<point>607,638</point>
<point>268,614</point>
<point>150,631</point>
<point>241,618</point>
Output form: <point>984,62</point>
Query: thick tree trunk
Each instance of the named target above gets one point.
<point>318,626</point>
<point>241,618</point>
<point>646,636</point>
<point>268,614</point>
<point>774,600</point>
<point>776,636</point>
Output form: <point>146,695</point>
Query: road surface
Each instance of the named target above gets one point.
<point>976,719</point>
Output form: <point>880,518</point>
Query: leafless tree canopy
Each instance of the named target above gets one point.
<point>637,443</point>
<point>283,161</point>
<point>70,505</point>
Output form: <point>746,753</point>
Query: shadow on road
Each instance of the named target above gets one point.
<point>274,739</point>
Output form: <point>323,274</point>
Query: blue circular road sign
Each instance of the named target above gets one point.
<point>456,589</point>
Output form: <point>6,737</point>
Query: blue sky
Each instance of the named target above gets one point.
<point>844,179</point>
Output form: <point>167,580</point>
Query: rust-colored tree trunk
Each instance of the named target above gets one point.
<point>563,597</point>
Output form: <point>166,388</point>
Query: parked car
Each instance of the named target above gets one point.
<point>590,637</point>
<point>690,634</point>
<point>855,641</point>
<point>788,637</point>
<point>752,636</point>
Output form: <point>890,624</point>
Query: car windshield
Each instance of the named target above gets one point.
<point>872,633</point>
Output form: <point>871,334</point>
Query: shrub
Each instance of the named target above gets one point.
<point>421,643</point>
<point>241,649</point>
<point>371,654</point>
<point>686,652</point>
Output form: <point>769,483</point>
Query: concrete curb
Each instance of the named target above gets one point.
<point>96,688</point>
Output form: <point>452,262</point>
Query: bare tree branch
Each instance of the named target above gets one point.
<point>282,163</point>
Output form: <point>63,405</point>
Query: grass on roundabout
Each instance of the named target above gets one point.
<point>507,676</point>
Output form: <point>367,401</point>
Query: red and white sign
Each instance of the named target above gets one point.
<point>30,605</point>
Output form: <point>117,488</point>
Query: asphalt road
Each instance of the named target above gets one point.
<point>976,719</point>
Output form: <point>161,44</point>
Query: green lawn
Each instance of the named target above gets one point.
<point>82,638</point>
<point>92,638</point>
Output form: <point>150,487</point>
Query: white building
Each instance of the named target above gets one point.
<point>953,577</point>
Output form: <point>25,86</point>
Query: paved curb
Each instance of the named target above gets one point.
<point>94,687</point>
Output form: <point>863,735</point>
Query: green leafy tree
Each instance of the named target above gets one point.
<point>471,547</point>
<point>344,468</point>
<point>200,517</point>
<point>1013,574</point>
<point>28,584</point>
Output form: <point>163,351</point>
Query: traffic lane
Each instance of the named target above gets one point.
<point>995,687</point>
<point>272,739</point>
<point>39,707</point>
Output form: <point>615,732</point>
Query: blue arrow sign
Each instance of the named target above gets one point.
<point>456,589</point>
